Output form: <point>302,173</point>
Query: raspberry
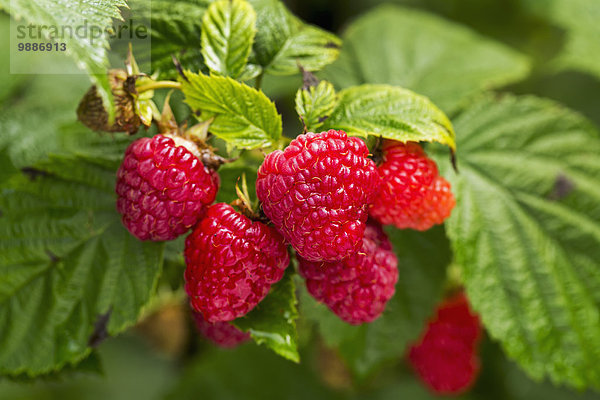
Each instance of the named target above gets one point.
<point>446,356</point>
<point>357,288</point>
<point>317,193</point>
<point>231,263</point>
<point>412,194</point>
<point>163,188</point>
<point>223,334</point>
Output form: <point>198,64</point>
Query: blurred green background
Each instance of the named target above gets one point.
<point>162,358</point>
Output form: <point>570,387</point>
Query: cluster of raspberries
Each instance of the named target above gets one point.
<point>446,356</point>
<point>322,194</point>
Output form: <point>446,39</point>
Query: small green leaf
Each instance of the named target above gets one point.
<point>391,112</point>
<point>315,104</point>
<point>72,274</point>
<point>526,232</point>
<point>273,321</point>
<point>250,71</point>
<point>422,52</point>
<point>283,41</point>
<point>422,261</point>
<point>243,116</point>
<point>228,29</point>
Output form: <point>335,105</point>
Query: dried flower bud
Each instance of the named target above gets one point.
<point>92,113</point>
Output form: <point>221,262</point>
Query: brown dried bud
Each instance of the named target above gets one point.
<point>92,113</point>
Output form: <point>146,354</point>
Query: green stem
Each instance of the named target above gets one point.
<point>454,280</point>
<point>258,82</point>
<point>158,85</point>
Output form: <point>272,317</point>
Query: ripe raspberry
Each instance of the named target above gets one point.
<point>163,188</point>
<point>412,194</point>
<point>317,193</point>
<point>357,288</point>
<point>231,263</point>
<point>223,334</point>
<point>446,357</point>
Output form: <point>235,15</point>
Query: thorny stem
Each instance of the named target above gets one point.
<point>158,85</point>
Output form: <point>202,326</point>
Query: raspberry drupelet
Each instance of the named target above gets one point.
<point>357,288</point>
<point>446,357</point>
<point>222,334</point>
<point>163,188</point>
<point>231,263</point>
<point>317,192</point>
<point>412,193</point>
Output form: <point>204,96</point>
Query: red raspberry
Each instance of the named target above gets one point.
<point>357,288</point>
<point>223,334</point>
<point>412,194</point>
<point>163,188</point>
<point>317,193</point>
<point>231,263</point>
<point>446,356</point>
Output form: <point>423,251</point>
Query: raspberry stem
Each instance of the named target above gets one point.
<point>454,280</point>
<point>258,81</point>
<point>158,85</point>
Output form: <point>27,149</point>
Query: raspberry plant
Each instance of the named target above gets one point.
<point>182,183</point>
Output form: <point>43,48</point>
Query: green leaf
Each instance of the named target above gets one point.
<point>314,104</point>
<point>10,84</point>
<point>49,133</point>
<point>283,41</point>
<point>422,262</point>
<point>71,273</point>
<point>416,50</point>
<point>580,19</point>
<point>250,71</point>
<point>132,369</point>
<point>228,29</point>
<point>243,116</point>
<point>89,52</point>
<point>273,321</point>
<point>391,112</point>
<point>175,30</point>
<point>526,232</point>
<point>7,169</point>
